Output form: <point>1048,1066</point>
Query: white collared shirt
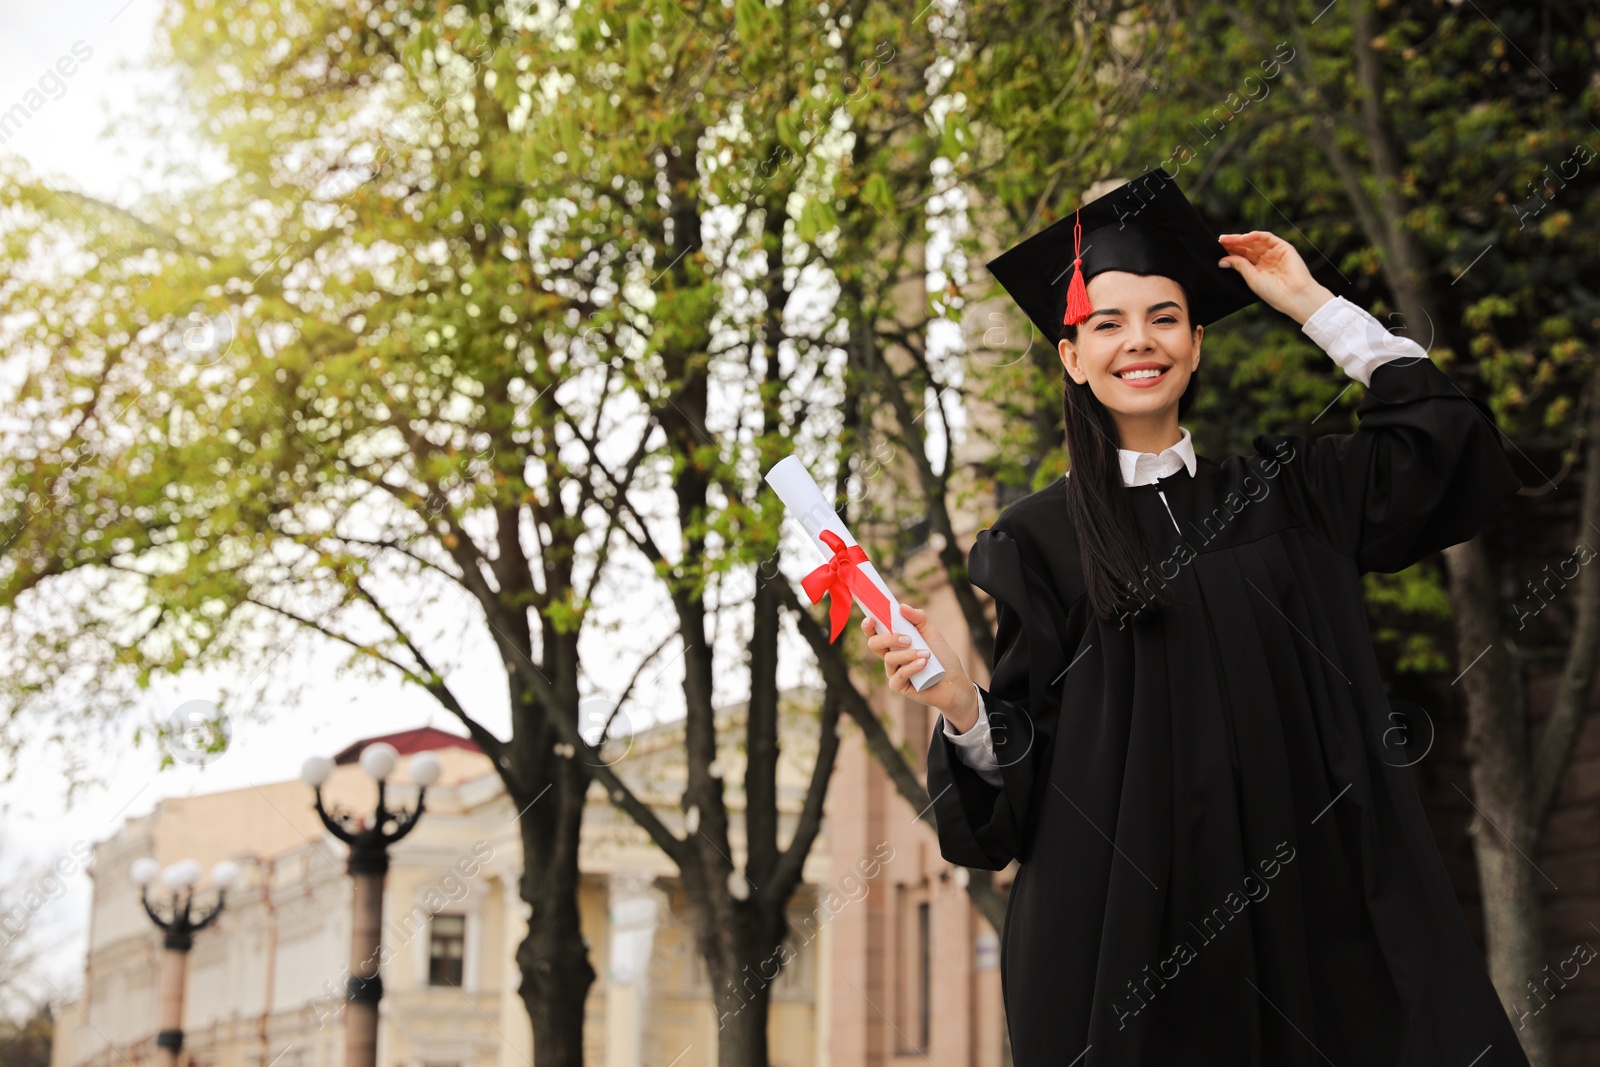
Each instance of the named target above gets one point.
<point>1142,468</point>
<point>1350,336</point>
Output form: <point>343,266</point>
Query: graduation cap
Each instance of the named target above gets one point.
<point>1146,226</point>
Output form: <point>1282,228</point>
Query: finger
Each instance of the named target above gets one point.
<point>905,672</point>
<point>916,617</point>
<point>898,659</point>
<point>881,643</point>
<point>1252,244</point>
<point>898,682</point>
<point>901,655</point>
<point>868,627</point>
<point>1247,270</point>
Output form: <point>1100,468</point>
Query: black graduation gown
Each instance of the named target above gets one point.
<point>1222,857</point>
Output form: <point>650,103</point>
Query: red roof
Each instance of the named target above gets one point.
<point>406,742</point>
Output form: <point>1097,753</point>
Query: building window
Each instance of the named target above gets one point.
<point>913,983</point>
<point>447,940</point>
<point>924,977</point>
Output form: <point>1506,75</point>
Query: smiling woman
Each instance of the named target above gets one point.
<point>1184,684</point>
<point>1141,284</point>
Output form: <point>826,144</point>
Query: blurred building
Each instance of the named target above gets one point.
<point>891,964</point>
<point>265,982</point>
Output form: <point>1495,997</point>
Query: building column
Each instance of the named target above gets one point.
<point>633,913</point>
<point>516,1050</point>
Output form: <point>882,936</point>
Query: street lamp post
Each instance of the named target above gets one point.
<point>178,926</point>
<point>369,840</point>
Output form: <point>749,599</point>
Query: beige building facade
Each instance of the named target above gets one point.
<point>265,983</point>
<point>888,963</point>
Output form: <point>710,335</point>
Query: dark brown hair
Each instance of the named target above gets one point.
<point>1119,568</point>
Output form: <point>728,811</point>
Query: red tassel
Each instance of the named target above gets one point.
<point>1078,306</point>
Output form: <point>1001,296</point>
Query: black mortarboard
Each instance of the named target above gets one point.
<point>1145,227</point>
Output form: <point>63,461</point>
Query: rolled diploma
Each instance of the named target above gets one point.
<point>806,504</point>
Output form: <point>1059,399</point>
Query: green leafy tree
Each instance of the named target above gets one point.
<point>332,394</point>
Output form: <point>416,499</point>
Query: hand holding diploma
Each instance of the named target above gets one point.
<point>953,694</point>
<point>846,574</point>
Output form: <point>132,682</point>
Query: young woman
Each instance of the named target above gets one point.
<point>1185,743</point>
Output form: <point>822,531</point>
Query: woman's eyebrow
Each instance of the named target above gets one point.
<point>1118,311</point>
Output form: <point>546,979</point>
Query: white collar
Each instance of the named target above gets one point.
<point>1142,468</point>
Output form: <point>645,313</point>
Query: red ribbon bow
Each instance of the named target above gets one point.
<point>838,578</point>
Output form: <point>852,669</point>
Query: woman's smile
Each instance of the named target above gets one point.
<point>1142,375</point>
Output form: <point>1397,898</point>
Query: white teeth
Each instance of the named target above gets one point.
<point>1140,374</point>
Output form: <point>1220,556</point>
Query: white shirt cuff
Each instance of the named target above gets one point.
<point>975,747</point>
<point>1357,341</point>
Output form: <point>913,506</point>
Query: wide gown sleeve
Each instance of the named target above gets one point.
<point>982,825</point>
<point>1423,470</point>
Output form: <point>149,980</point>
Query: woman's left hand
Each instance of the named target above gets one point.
<point>1273,269</point>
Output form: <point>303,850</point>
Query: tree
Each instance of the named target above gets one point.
<point>326,395</point>
<point>761,146</point>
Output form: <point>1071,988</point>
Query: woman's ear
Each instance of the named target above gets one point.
<point>1199,335</point>
<point>1069,360</point>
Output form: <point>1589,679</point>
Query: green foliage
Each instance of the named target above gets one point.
<point>1410,613</point>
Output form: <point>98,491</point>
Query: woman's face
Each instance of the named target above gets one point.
<point>1140,324</point>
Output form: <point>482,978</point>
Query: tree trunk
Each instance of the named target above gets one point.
<point>1503,831</point>
<point>743,1008</point>
<point>744,939</point>
<point>553,957</point>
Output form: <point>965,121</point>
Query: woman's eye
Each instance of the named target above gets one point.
<point>1166,319</point>
<point>1106,324</point>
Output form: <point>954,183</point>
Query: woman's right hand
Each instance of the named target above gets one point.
<point>952,695</point>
